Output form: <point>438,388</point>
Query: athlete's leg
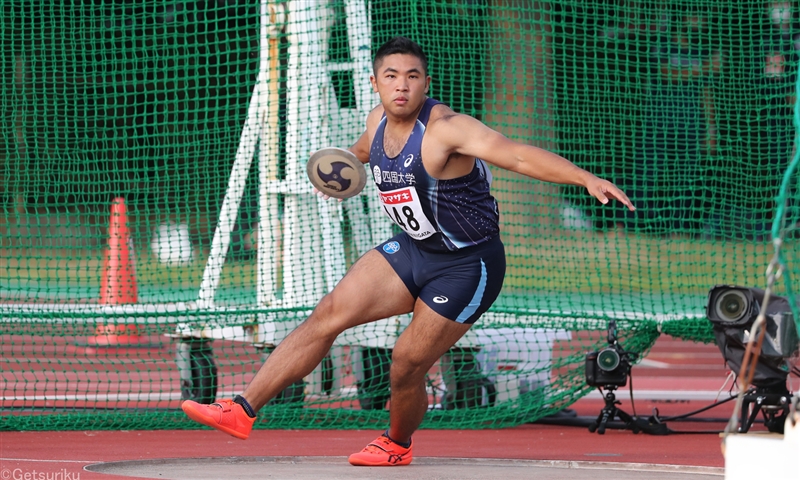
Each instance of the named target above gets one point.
<point>371,290</point>
<point>425,340</point>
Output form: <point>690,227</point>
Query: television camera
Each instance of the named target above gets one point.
<point>732,310</point>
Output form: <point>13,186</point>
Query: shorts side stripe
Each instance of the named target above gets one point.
<point>476,299</point>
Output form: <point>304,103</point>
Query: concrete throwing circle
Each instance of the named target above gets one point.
<point>330,468</point>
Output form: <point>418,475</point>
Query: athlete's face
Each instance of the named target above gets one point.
<point>402,84</point>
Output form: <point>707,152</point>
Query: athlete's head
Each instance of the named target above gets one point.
<point>401,77</point>
<point>402,46</point>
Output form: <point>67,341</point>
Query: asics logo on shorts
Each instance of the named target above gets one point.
<point>440,299</point>
<point>391,247</point>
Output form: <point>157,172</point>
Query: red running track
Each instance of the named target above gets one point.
<point>681,371</point>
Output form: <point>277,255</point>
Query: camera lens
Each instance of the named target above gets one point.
<point>608,359</point>
<point>731,306</point>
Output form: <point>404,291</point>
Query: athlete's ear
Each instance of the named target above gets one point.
<point>427,84</point>
<point>374,83</point>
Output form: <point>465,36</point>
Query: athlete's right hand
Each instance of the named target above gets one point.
<point>320,194</point>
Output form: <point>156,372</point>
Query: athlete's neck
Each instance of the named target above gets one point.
<point>398,129</point>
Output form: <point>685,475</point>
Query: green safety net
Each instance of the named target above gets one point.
<point>158,237</point>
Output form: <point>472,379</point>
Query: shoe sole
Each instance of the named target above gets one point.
<point>210,422</point>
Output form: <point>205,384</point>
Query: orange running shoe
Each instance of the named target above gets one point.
<point>383,452</point>
<point>224,415</point>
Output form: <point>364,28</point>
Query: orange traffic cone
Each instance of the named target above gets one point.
<point>118,285</point>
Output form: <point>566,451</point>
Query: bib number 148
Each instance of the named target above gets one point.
<point>404,208</point>
<point>406,220</point>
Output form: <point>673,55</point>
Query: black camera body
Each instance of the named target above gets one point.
<point>611,365</point>
<point>732,310</point>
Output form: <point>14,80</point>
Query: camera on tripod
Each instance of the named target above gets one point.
<point>611,365</point>
<point>732,311</point>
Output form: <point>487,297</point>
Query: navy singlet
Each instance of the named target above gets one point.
<point>441,215</point>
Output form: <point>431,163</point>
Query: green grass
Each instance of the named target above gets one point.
<point>590,262</point>
<point>582,262</point>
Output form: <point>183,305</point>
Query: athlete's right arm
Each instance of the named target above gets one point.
<point>361,148</point>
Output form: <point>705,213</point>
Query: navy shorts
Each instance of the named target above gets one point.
<point>458,285</point>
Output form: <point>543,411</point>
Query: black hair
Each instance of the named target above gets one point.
<point>401,45</point>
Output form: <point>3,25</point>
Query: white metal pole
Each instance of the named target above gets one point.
<point>376,227</point>
<point>306,111</point>
<point>252,133</point>
<point>273,21</point>
<point>233,196</point>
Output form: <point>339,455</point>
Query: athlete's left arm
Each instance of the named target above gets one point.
<point>467,136</point>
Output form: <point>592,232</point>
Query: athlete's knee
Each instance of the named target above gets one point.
<point>408,367</point>
<point>328,318</point>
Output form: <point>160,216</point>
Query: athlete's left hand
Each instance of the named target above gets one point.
<point>602,189</point>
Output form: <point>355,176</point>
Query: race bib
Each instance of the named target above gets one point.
<point>404,208</point>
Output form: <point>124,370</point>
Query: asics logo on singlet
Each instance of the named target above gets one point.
<point>409,159</point>
<point>440,299</point>
<point>391,247</point>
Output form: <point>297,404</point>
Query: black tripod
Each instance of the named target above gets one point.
<point>610,411</point>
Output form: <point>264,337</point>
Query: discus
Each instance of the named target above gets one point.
<point>336,172</point>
